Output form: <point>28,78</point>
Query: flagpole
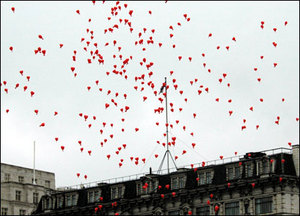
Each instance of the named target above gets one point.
<point>167,125</point>
<point>167,153</point>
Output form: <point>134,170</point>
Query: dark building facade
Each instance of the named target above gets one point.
<point>259,183</point>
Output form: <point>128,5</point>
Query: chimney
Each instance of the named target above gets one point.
<point>295,149</point>
<point>150,170</point>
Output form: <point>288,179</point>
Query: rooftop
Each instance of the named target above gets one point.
<point>26,168</point>
<point>165,171</point>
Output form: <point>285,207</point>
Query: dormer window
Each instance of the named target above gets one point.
<point>117,192</point>
<point>208,178</point>
<point>178,182</point>
<point>147,187</point>
<point>60,202</point>
<point>205,177</point>
<point>232,172</point>
<point>265,167</point>
<point>248,170</point>
<point>93,195</point>
<point>237,172</point>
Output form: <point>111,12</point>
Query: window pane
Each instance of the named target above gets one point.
<point>175,183</point>
<point>208,177</point>
<point>21,179</point>
<point>73,199</point>
<point>4,211</point>
<point>181,182</point>
<point>91,196</point>
<point>68,200</point>
<point>119,192</point>
<point>113,193</point>
<point>237,172</point>
<point>149,188</point>
<point>232,208</point>
<point>60,202</point>
<point>7,177</point>
<point>22,212</point>
<point>96,196</point>
<point>230,173</point>
<point>35,198</point>
<point>248,170</point>
<point>201,178</point>
<point>265,167</point>
<point>18,195</point>
<point>263,205</point>
<point>139,187</point>
<point>203,210</point>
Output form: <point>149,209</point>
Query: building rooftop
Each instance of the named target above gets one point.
<point>21,167</point>
<point>172,170</point>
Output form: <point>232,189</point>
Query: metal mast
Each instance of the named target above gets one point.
<point>167,153</point>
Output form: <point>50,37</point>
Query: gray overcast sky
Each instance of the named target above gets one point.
<point>215,131</point>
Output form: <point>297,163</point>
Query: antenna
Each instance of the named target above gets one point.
<point>34,163</point>
<point>167,153</point>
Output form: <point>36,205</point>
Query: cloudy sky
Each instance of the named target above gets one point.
<point>235,63</point>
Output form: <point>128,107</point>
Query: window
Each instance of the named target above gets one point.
<point>96,196</point>
<point>68,200</point>
<point>208,178</point>
<point>181,182</point>
<point>263,205</point>
<point>237,172</point>
<point>230,173</point>
<point>22,212</point>
<point>74,200</point>
<point>265,167</point>
<point>203,210</point>
<point>173,212</point>
<point>152,185</point>
<point>60,202</point>
<point>119,192</point>
<point>91,197</point>
<point>7,177</point>
<point>232,208</point>
<point>35,181</point>
<point>205,178</point>
<point>21,179</point>
<point>35,198</point>
<point>201,179</point>
<point>178,182</point>
<point>18,195</point>
<point>116,192</point>
<point>47,184</point>
<point>272,165</point>
<point>48,203</point>
<point>248,170</point>
<point>174,183</point>
<point>139,190</point>
<point>4,211</point>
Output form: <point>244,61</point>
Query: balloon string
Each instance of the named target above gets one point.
<point>189,147</point>
<point>149,158</point>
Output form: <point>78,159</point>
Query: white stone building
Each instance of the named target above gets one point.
<point>19,196</point>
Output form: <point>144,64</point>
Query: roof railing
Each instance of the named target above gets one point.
<point>165,171</point>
